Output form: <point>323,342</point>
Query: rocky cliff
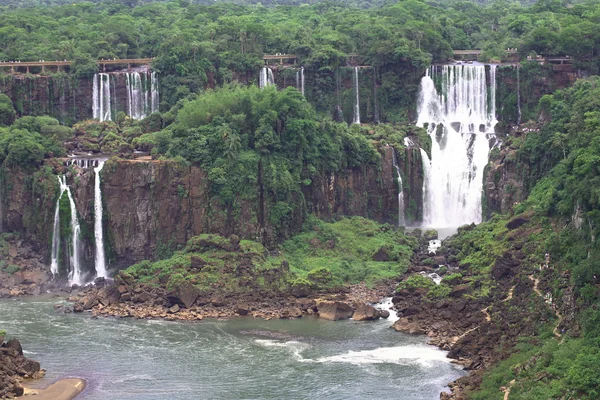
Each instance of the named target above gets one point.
<point>152,207</point>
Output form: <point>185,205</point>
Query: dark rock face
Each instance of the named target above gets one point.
<point>13,366</point>
<point>152,205</point>
<point>504,267</point>
<point>334,310</point>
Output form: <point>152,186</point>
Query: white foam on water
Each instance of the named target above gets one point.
<point>422,355</point>
<point>295,347</point>
<point>386,304</point>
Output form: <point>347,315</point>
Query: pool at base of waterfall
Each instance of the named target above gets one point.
<point>242,358</point>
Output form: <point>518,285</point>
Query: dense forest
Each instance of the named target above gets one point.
<point>190,41</point>
<point>274,139</point>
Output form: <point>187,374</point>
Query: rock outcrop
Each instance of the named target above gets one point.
<point>334,310</point>
<point>14,367</point>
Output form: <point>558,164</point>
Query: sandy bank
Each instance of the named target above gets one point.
<point>65,389</point>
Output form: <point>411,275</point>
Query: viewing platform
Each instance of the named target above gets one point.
<point>15,65</point>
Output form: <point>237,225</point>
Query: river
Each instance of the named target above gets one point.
<point>244,358</point>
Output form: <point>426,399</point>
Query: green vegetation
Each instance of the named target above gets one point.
<point>560,217</point>
<point>327,255</point>
<point>348,251</point>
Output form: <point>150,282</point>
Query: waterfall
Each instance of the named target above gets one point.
<point>98,233</point>
<point>137,99</point>
<point>75,274</point>
<point>460,119</point>
<point>518,95</point>
<point>266,77</point>
<point>154,92</point>
<point>408,142</point>
<point>56,231</point>
<point>401,221</point>
<point>101,98</point>
<point>356,117</point>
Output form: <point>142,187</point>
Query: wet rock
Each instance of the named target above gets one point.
<point>365,312</point>
<point>334,310</point>
<point>174,309</point>
<point>384,314</point>
<point>77,307</point>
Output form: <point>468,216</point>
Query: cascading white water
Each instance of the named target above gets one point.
<point>408,142</point>
<point>266,77</point>
<point>154,94</point>
<point>460,119</point>
<point>76,275</point>
<point>137,99</point>
<point>356,114</point>
<point>518,95</point>
<point>98,232</point>
<point>401,221</point>
<point>56,231</point>
<point>101,98</point>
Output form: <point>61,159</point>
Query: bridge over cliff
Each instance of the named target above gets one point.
<point>15,66</point>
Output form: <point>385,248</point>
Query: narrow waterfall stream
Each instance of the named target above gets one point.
<point>98,228</point>
<point>76,275</point>
<point>401,221</point>
<point>56,231</point>
<point>518,95</point>
<point>154,92</point>
<point>300,80</point>
<point>457,106</point>
<point>75,271</point>
<point>356,114</point>
<point>266,77</point>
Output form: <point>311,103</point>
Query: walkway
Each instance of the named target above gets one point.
<point>59,64</point>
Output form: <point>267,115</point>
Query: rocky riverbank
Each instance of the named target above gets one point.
<point>14,367</point>
<point>123,298</point>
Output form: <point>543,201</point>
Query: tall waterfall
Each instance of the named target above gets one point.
<point>101,98</point>
<point>75,273</point>
<point>266,77</point>
<point>98,232</point>
<point>518,95</point>
<point>56,230</point>
<point>401,221</point>
<point>356,115</point>
<point>459,118</point>
<point>142,94</point>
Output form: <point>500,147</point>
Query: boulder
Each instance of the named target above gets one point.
<point>187,293</point>
<point>15,345</point>
<point>334,310</point>
<point>365,312</point>
<point>516,222</point>
<point>384,314</point>
<point>242,309</point>
<point>406,326</point>
<point>77,307</point>
<point>174,309</point>
<point>503,267</point>
<point>383,254</point>
<point>430,234</point>
<point>109,295</point>
<point>460,290</point>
